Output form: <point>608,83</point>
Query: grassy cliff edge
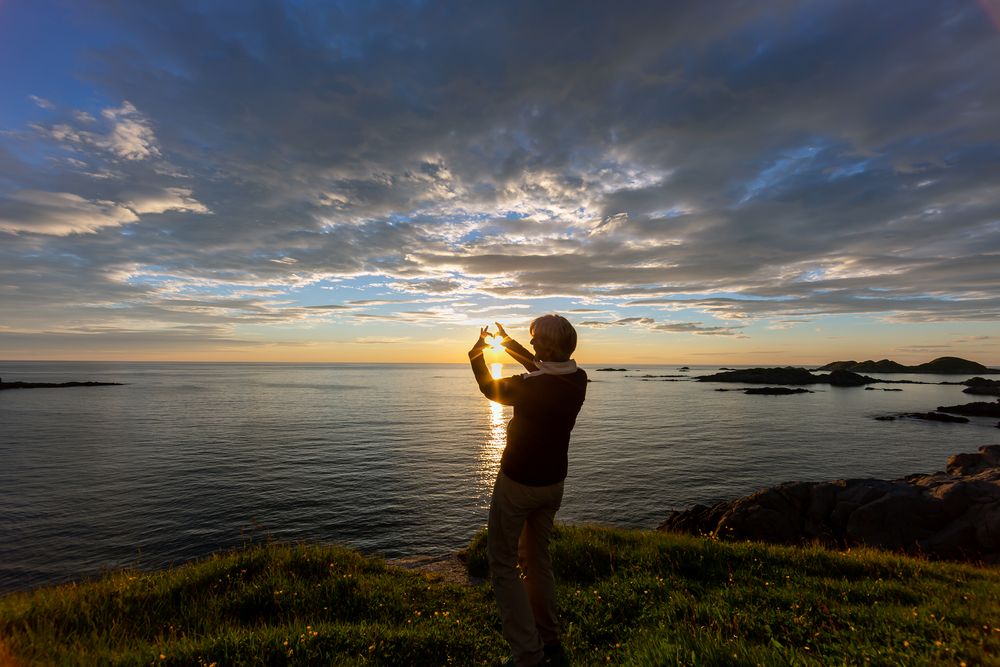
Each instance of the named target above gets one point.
<point>626,597</point>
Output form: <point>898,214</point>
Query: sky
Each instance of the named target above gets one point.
<point>688,182</point>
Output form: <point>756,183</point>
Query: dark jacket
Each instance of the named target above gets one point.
<point>545,410</point>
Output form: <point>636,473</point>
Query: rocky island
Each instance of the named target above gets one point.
<point>788,375</point>
<point>951,515</point>
<point>54,385</point>
<point>978,409</point>
<point>982,387</point>
<point>939,366</point>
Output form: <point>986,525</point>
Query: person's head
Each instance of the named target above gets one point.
<point>553,338</point>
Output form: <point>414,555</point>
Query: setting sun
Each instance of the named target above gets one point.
<point>495,343</point>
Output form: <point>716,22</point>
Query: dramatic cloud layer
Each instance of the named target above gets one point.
<point>242,176</point>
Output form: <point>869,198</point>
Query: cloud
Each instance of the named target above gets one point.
<point>59,213</point>
<point>779,161</point>
<point>651,324</point>
<point>167,199</point>
<point>131,136</point>
<point>128,134</point>
<point>62,213</point>
<point>41,102</point>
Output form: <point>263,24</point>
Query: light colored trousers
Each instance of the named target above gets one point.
<point>520,522</point>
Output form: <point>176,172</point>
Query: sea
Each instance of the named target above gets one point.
<point>187,459</point>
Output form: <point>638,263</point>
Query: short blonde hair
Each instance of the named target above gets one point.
<point>555,334</point>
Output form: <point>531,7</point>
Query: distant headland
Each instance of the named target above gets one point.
<point>54,385</point>
<point>939,366</point>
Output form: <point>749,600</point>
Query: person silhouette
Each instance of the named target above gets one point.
<point>529,485</point>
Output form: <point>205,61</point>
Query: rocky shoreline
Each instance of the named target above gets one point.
<point>949,515</point>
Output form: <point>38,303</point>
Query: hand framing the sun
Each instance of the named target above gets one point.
<point>487,339</point>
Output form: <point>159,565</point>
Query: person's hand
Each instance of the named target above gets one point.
<point>484,333</point>
<point>500,332</point>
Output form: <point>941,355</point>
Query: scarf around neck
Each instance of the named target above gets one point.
<point>553,368</point>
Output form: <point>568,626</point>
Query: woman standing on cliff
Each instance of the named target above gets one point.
<point>529,485</point>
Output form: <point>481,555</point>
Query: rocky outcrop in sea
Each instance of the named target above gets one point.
<point>54,385</point>
<point>982,387</point>
<point>950,515</point>
<point>788,375</point>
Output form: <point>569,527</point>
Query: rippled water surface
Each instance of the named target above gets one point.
<point>186,459</point>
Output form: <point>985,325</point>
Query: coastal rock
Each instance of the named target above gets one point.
<point>54,385</point>
<point>613,370</point>
<point>982,391</point>
<point>980,409</point>
<point>982,387</point>
<point>775,391</point>
<point>932,417</point>
<point>847,379</point>
<point>788,375</point>
<point>953,515</point>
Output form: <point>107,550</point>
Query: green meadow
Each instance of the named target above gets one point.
<point>626,597</point>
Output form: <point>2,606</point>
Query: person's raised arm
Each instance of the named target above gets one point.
<point>503,390</point>
<point>520,353</point>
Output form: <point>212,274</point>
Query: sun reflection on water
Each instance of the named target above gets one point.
<point>492,446</point>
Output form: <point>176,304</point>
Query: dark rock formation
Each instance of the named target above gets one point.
<point>952,515</point>
<point>982,387</point>
<point>936,417</point>
<point>788,376</point>
<point>939,366</point>
<point>775,391</point>
<point>847,379</point>
<point>880,389</point>
<point>928,416</point>
<point>982,391</point>
<point>838,366</point>
<point>979,409</point>
<point>613,370</point>
<point>55,385</point>
<point>952,366</point>
<point>881,366</point>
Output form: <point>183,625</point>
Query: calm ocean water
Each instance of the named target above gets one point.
<point>187,459</point>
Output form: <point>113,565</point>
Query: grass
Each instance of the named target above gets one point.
<point>626,597</point>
